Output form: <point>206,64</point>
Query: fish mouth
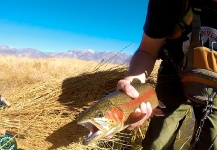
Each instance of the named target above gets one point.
<point>96,132</point>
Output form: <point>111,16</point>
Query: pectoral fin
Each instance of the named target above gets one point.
<point>134,117</point>
<point>157,112</point>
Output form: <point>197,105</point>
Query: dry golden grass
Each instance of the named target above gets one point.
<point>42,93</point>
<point>47,95</point>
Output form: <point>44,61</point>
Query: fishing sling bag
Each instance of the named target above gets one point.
<point>199,71</point>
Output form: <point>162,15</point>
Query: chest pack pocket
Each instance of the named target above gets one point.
<point>198,72</point>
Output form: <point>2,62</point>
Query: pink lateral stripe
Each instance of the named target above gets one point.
<point>145,97</point>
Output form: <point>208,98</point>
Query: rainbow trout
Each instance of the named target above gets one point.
<point>116,111</point>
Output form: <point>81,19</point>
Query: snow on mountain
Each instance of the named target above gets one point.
<point>89,54</point>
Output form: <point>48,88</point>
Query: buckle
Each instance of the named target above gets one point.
<point>196,9</point>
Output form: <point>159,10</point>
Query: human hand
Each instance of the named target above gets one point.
<point>125,86</point>
<point>145,108</point>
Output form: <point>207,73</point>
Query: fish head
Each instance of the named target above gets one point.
<point>101,119</point>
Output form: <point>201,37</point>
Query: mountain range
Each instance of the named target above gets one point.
<point>105,56</point>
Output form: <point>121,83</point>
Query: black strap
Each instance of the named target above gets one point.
<point>196,24</point>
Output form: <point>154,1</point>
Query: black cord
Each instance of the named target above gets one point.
<point>212,143</point>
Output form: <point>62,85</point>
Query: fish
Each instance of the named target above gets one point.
<point>114,112</point>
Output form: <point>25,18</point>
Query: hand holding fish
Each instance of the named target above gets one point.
<point>117,111</point>
<point>145,108</point>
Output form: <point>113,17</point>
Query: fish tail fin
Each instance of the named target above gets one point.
<point>161,104</point>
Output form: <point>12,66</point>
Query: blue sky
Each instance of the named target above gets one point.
<point>61,25</point>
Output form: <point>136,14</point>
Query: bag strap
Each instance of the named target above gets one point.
<point>196,24</point>
<point>195,37</point>
<point>184,21</point>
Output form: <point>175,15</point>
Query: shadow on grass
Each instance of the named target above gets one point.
<point>78,93</point>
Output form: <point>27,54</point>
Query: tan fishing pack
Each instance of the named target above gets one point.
<point>199,71</point>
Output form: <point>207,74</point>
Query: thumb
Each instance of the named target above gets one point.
<point>126,87</point>
<point>131,91</point>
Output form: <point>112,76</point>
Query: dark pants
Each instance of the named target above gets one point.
<point>162,131</point>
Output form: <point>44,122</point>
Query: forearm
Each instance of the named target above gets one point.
<point>141,66</point>
<point>143,61</point>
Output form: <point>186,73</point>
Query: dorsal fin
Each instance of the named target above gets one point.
<point>136,81</point>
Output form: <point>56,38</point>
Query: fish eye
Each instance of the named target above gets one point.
<point>99,114</point>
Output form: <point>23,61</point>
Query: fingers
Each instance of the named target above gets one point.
<point>110,137</point>
<point>4,101</point>
<point>125,86</point>
<point>144,108</point>
<point>2,131</point>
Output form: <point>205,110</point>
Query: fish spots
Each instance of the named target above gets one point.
<point>110,114</point>
<point>144,97</point>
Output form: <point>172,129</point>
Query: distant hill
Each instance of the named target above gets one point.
<point>106,56</point>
